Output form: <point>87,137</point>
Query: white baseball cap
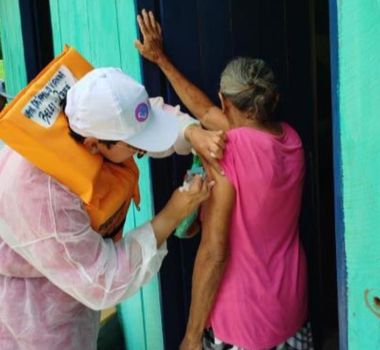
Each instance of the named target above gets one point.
<point>109,105</point>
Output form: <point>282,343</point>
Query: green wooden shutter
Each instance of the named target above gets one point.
<point>12,45</point>
<point>355,28</point>
<point>104,31</point>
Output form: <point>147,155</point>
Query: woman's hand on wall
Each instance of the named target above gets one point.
<point>152,47</point>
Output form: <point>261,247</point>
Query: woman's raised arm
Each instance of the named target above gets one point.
<point>211,116</point>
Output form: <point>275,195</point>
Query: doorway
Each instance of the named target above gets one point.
<point>293,37</point>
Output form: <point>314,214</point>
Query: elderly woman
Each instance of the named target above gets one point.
<point>249,282</point>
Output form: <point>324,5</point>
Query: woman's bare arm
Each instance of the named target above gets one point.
<point>211,259</point>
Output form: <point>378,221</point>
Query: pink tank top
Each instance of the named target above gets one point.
<point>262,299</point>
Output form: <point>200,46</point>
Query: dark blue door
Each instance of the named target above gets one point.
<point>201,36</point>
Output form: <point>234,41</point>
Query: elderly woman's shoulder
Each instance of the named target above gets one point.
<point>246,139</point>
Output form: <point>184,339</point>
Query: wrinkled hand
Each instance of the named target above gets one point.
<point>185,201</point>
<point>152,47</point>
<point>208,144</point>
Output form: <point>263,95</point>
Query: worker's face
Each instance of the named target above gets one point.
<point>116,153</point>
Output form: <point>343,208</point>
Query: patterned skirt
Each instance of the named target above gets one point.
<point>302,340</point>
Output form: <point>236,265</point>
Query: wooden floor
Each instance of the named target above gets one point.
<point>106,313</point>
<point>111,335</point>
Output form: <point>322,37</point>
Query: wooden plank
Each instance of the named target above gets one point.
<point>104,31</point>
<point>271,24</point>
<point>356,48</point>
<point>56,26</point>
<point>12,45</point>
<point>148,300</point>
<point>1,69</point>
<point>213,58</point>
<point>141,314</point>
<point>37,36</point>
<point>127,29</point>
<point>246,22</point>
<point>70,26</point>
<point>179,20</point>
<point>151,76</point>
<point>338,182</point>
<point>103,28</point>
<point>181,37</point>
<point>133,322</point>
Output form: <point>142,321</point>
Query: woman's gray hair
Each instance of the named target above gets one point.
<point>250,85</point>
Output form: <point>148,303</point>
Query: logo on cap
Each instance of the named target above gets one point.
<point>142,112</point>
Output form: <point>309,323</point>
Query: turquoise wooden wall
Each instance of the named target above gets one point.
<point>104,31</point>
<point>12,44</point>
<point>356,79</point>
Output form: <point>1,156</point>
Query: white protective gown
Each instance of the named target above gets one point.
<point>56,273</point>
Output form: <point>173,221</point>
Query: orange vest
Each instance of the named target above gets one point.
<point>34,125</point>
